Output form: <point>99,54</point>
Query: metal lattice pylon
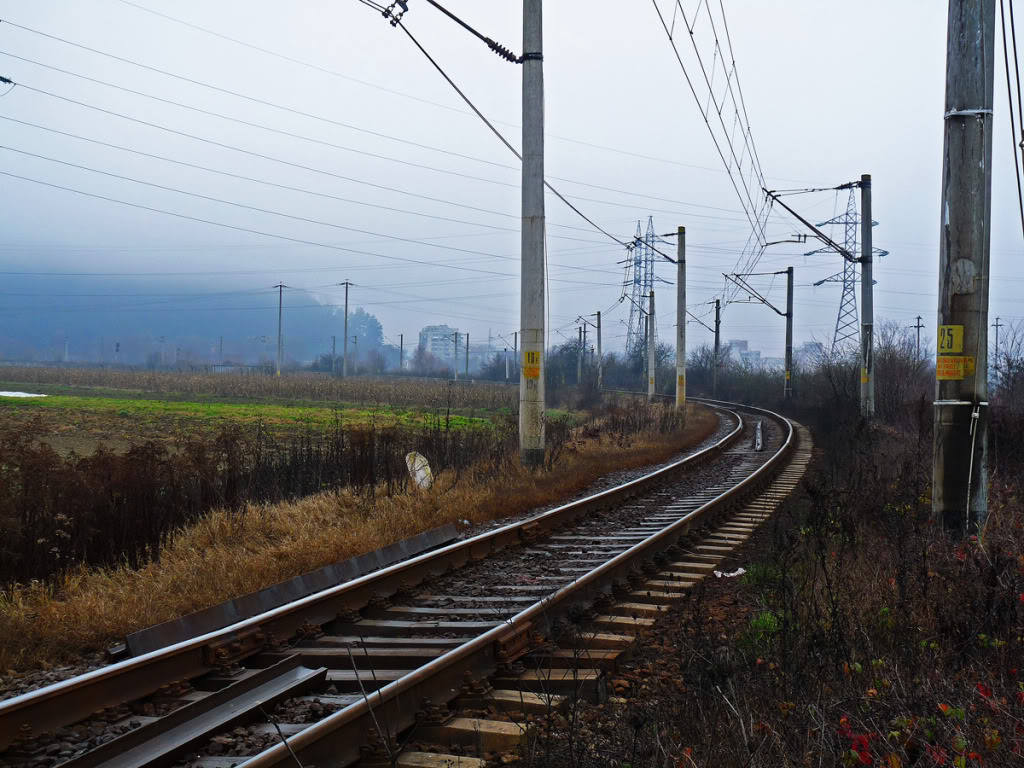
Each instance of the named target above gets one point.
<point>847,330</point>
<point>639,284</point>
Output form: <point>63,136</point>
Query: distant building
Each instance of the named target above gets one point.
<point>439,340</point>
<point>740,345</point>
<point>750,357</point>
<point>808,353</point>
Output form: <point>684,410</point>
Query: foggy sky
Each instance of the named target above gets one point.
<point>833,90</point>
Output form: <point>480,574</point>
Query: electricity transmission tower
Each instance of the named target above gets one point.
<point>847,324</point>
<point>638,285</point>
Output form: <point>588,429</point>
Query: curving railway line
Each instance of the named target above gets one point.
<point>517,620</point>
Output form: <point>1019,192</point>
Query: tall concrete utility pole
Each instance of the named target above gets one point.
<point>600,359</point>
<point>651,325</point>
<point>531,380</point>
<point>681,318</point>
<point>787,390</point>
<point>467,355</point>
<point>344,344</point>
<point>997,325</point>
<point>960,472</point>
<point>741,281</point>
<point>455,355</point>
<point>918,326</point>
<point>280,295</point>
<point>867,302</point>
<point>718,346</point>
<point>579,358</point>
<point>401,352</point>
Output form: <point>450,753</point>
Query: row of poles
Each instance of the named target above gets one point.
<point>960,488</point>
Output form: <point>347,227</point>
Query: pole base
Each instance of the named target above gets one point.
<point>531,457</point>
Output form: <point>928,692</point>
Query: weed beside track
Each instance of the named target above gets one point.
<point>271,534</point>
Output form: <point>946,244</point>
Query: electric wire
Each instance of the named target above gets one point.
<point>402,94</point>
<point>269,129</point>
<point>228,92</point>
<point>1017,155</point>
<point>505,141</point>
<point>238,228</point>
<point>253,208</point>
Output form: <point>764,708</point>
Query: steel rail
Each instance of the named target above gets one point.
<point>72,700</point>
<point>335,741</point>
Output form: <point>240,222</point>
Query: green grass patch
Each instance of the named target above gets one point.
<point>151,411</point>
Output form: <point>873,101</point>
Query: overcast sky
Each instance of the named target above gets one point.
<point>833,89</point>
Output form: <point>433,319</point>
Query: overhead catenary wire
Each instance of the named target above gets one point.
<point>505,141</point>
<point>301,166</point>
<point>401,94</point>
<point>757,214</point>
<point>253,208</point>
<point>301,113</point>
<point>1018,154</point>
<point>238,228</point>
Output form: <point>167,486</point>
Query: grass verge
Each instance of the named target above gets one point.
<point>227,554</point>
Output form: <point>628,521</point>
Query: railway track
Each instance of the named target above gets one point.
<point>513,621</point>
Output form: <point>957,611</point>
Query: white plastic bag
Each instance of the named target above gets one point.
<point>419,470</point>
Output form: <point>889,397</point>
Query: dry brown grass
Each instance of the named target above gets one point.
<point>225,555</point>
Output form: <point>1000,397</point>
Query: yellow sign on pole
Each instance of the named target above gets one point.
<point>953,367</point>
<point>951,340</point>
<point>531,364</point>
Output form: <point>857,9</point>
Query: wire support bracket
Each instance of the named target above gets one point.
<point>978,113</point>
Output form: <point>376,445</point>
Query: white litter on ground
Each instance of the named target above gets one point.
<point>419,470</point>
<point>734,574</point>
<point>19,394</point>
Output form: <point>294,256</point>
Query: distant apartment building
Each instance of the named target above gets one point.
<point>439,340</point>
<point>809,353</point>
<point>750,357</point>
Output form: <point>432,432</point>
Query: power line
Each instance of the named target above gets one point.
<point>1017,155</point>
<point>260,126</point>
<point>301,113</point>
<point>237,228</point>
<point>242,177</point>
<point>412,97</point>
<point>254,208</point>
<point>229,92</point>
<point>505,141</point>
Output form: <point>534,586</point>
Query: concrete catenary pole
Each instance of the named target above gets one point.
<point>651,325</point>
<point>280,295</point>
<point>867,302</point>
<point>788,387</point>
<point>681,318</point>
<point>344,345</point>
<point>455,354</point>
<point>718,346</point>
<point>467,355</point>
<point>531,380</point>
<point>579,357</point>
<point>600,359</point>
<point>960,471</point>
<point>401,352</point>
